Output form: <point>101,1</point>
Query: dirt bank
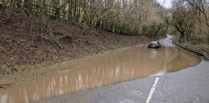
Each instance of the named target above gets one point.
<point>24,42</point>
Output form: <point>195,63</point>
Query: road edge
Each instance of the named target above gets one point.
<point>203,53</point>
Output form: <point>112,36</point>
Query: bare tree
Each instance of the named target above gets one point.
<point>201,6</point>
<point>118,16</point>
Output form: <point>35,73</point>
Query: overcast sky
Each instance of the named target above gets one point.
<point>167,3</point>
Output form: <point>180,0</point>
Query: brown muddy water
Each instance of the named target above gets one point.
<point>108,69</point>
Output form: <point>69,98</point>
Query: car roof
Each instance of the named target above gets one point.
<point>153,41</point>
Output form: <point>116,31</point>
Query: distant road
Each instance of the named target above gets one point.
<point>167,41</point>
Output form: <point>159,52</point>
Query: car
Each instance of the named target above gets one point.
<point>154,44</point>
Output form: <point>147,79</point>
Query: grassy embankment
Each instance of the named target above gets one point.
<point>36,34</point>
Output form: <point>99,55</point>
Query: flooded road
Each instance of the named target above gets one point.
<point>110,68</point>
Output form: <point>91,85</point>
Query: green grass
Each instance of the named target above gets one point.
<point>80,56</point>
<point>17,83</point>
<point>1,55</point>
<point>5,69</point>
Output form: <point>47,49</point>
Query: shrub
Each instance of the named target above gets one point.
<point>5,69</point>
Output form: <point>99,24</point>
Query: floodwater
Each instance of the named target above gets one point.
<point>108,69</point>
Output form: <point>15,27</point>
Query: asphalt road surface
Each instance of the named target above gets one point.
<point>190,85</point>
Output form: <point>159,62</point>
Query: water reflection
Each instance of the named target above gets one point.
<point>112,68</point>
<point>153,53</point>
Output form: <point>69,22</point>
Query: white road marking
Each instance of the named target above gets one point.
<point>152,90</point>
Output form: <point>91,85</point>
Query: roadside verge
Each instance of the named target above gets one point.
<point>200,52</point>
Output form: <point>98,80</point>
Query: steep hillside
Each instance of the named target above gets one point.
<point>23,45</point>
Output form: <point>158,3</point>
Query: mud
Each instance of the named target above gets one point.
<point>108,69</point>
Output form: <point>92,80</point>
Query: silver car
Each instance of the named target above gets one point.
<point>154,44</point>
